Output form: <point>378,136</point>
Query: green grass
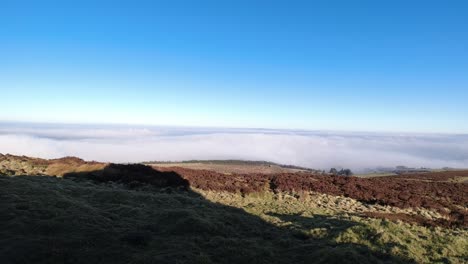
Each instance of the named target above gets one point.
<point>407,241</point>
<point>54,220</point>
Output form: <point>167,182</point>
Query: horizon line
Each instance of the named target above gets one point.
<point>154,125</point>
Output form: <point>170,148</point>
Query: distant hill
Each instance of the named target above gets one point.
<point>234,162</point>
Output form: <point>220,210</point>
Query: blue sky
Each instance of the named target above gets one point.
<point>333,65</point>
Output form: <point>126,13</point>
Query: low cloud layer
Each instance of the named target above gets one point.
<point>315,149</point>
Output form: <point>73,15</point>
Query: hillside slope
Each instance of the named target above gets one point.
<point>136,214</point>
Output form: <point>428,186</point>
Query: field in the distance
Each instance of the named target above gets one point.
<point>231,166</point>
<point>90,212</point>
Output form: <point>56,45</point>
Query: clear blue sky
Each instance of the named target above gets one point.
<point>338,65</point>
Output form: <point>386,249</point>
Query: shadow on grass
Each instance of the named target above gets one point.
<point>135,214</point>
<point>332,226</point>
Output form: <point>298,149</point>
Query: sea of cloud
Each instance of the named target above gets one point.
<point>315,149</point>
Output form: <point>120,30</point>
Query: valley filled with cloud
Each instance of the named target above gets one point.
<point>314,149</point>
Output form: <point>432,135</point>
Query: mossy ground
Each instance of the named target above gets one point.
<point>54,220</point>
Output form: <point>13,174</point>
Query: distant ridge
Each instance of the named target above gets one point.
<point>236,162</point>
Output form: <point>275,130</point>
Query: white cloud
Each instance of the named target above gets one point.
<point>315,149</point>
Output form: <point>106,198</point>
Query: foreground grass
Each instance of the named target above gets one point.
<point>408,241</point>
<point>54,220</point>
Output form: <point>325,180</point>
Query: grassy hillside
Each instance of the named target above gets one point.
<point>111,213</point>
<point>61,220</point>
<point>48,219</point>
